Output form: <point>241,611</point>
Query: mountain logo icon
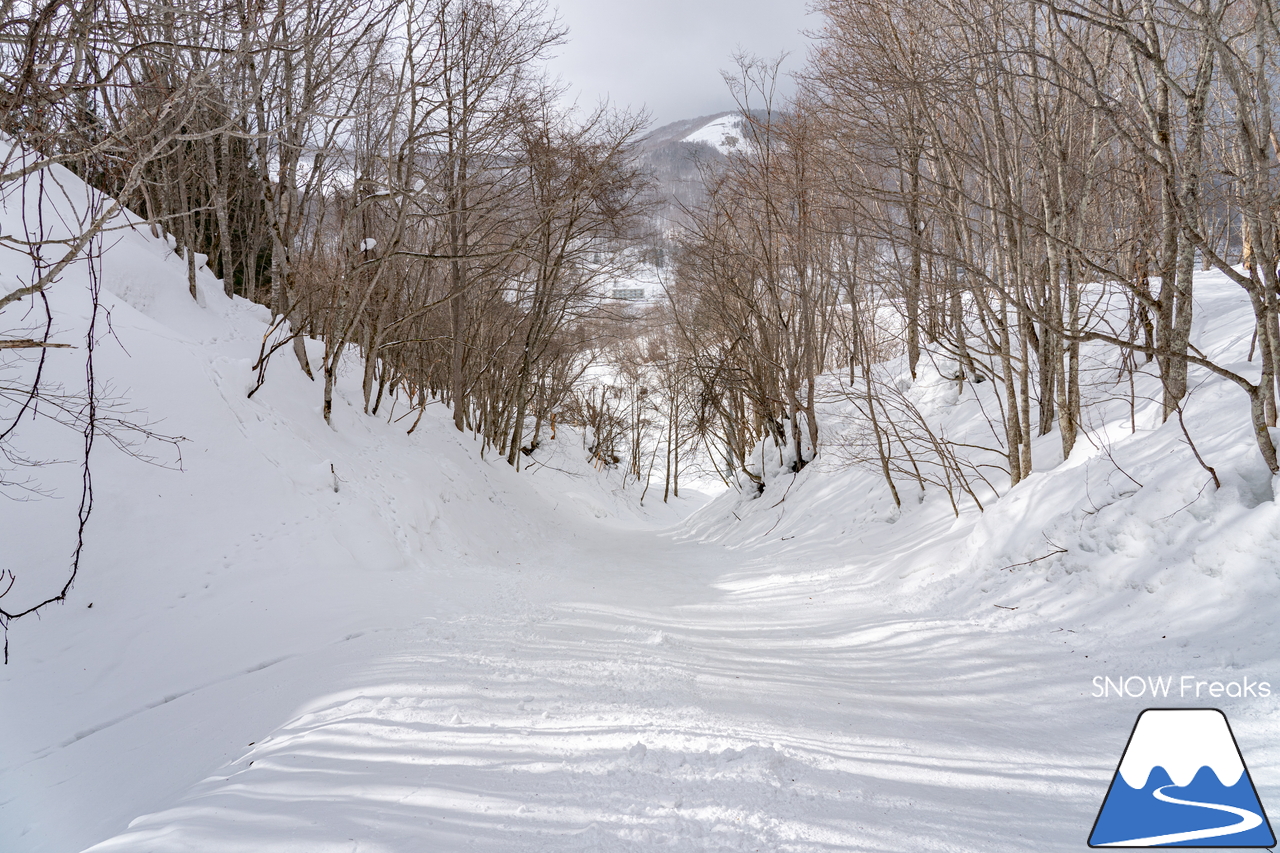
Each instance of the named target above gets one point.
<point>1182,782</point>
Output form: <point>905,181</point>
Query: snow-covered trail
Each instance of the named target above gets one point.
<point>636,693</point>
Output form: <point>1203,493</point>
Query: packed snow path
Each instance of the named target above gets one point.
<point>625,691</point>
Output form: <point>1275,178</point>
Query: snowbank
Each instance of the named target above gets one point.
<point>1131,523</point>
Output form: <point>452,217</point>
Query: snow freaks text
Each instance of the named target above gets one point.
<point>1180,686</point>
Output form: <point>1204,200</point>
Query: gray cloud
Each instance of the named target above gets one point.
<point>667,55</point>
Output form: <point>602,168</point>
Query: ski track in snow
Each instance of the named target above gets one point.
<point>689,719</point>
<point>626,692</point>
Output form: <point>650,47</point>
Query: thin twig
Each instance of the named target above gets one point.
<point>1057,550</point>
<point>1217,484</point>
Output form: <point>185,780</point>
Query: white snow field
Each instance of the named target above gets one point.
<point>445,655</point>
<point>723,133</point>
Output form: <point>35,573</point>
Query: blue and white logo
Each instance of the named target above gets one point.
<point>1182,782</point>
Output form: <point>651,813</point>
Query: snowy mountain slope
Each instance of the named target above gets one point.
<point>678,131</point>
<point>676,165</point>
<point>708,130</point>
<point>723,134</point>
<point>446,655</point>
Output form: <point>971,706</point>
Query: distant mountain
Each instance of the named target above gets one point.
<point>680,131</point>
<point>677,154</point>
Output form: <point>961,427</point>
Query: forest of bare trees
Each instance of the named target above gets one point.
<point>994,186</point>
<point>395,178</point>
<point>999,188</point>
<point>392,177</point>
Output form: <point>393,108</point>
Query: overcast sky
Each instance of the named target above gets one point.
<point>667,55</point>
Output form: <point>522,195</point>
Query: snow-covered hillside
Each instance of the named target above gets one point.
<point>349,638</point>
<point>1131,521</point>
<point>723,133</point>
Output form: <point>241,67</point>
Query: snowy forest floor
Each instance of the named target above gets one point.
<point>441,654</point>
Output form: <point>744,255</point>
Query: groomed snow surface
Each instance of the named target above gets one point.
<point>347,638</point>
<point>723,133</point>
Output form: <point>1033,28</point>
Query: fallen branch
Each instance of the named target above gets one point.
<point>27,343</point>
